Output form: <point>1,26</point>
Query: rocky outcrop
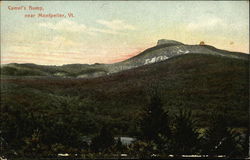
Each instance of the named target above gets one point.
<point>166,41</point>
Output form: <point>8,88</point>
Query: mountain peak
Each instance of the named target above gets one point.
<point>166,41</point>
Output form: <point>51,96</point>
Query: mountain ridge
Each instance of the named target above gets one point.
<point>164,50</point>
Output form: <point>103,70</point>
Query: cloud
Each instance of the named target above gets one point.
<point>65,25</point>
<point>111,27</point>
<point>216,25</point>
<point>61,44</point>
<point>105,31</point>
<point>206,24</point>
<point>58,40</point>
<point>117,25</point>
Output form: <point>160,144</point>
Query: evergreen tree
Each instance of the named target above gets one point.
<point>185,135</point>
<point>219,138</point>
<point>103,141</point>
<point>154,123</point>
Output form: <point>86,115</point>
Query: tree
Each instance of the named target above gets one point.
<point>142,149</point>
<point>219,138</point>
<point>33,145</point>
<point>185,135</point>
<point>103,141</point>
<point>154,123</point>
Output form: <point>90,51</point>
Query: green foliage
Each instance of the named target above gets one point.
<point>154,123</point>
<point>152,116</point>
<point>103,141</point>
<point>33,146</point>
<point>143,150</point>
<point>185,135</point>
<point>221,139</point>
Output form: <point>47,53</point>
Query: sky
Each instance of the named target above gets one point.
<point>112,31</point>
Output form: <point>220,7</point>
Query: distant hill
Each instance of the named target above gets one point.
<point>164,50</point>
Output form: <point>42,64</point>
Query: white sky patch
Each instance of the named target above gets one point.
<point>59,41</point>
<point>116,25</point>
<point>221,25</point>
<point>68,26</point>
<point>206,24</point>
<point>15,48</point>
<point>65,25</point>
<point>105,31</point>
<point>110,27</point>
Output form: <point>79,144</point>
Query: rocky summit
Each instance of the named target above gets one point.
<point>166,41</point>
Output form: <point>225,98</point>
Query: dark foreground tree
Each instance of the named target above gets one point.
<point>219,138</point>
<point>185,135</point>
<point>154,123</point>
<point>103,141</point>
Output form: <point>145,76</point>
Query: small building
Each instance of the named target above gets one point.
<point>125,140</point>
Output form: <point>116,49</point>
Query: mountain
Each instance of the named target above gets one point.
<point>164,50</point>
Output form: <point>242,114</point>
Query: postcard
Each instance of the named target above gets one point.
<point>124,80</point>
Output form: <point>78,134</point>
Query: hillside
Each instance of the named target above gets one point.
<point>199,82</point>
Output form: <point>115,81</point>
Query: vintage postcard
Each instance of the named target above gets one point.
<point>124,80</point>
